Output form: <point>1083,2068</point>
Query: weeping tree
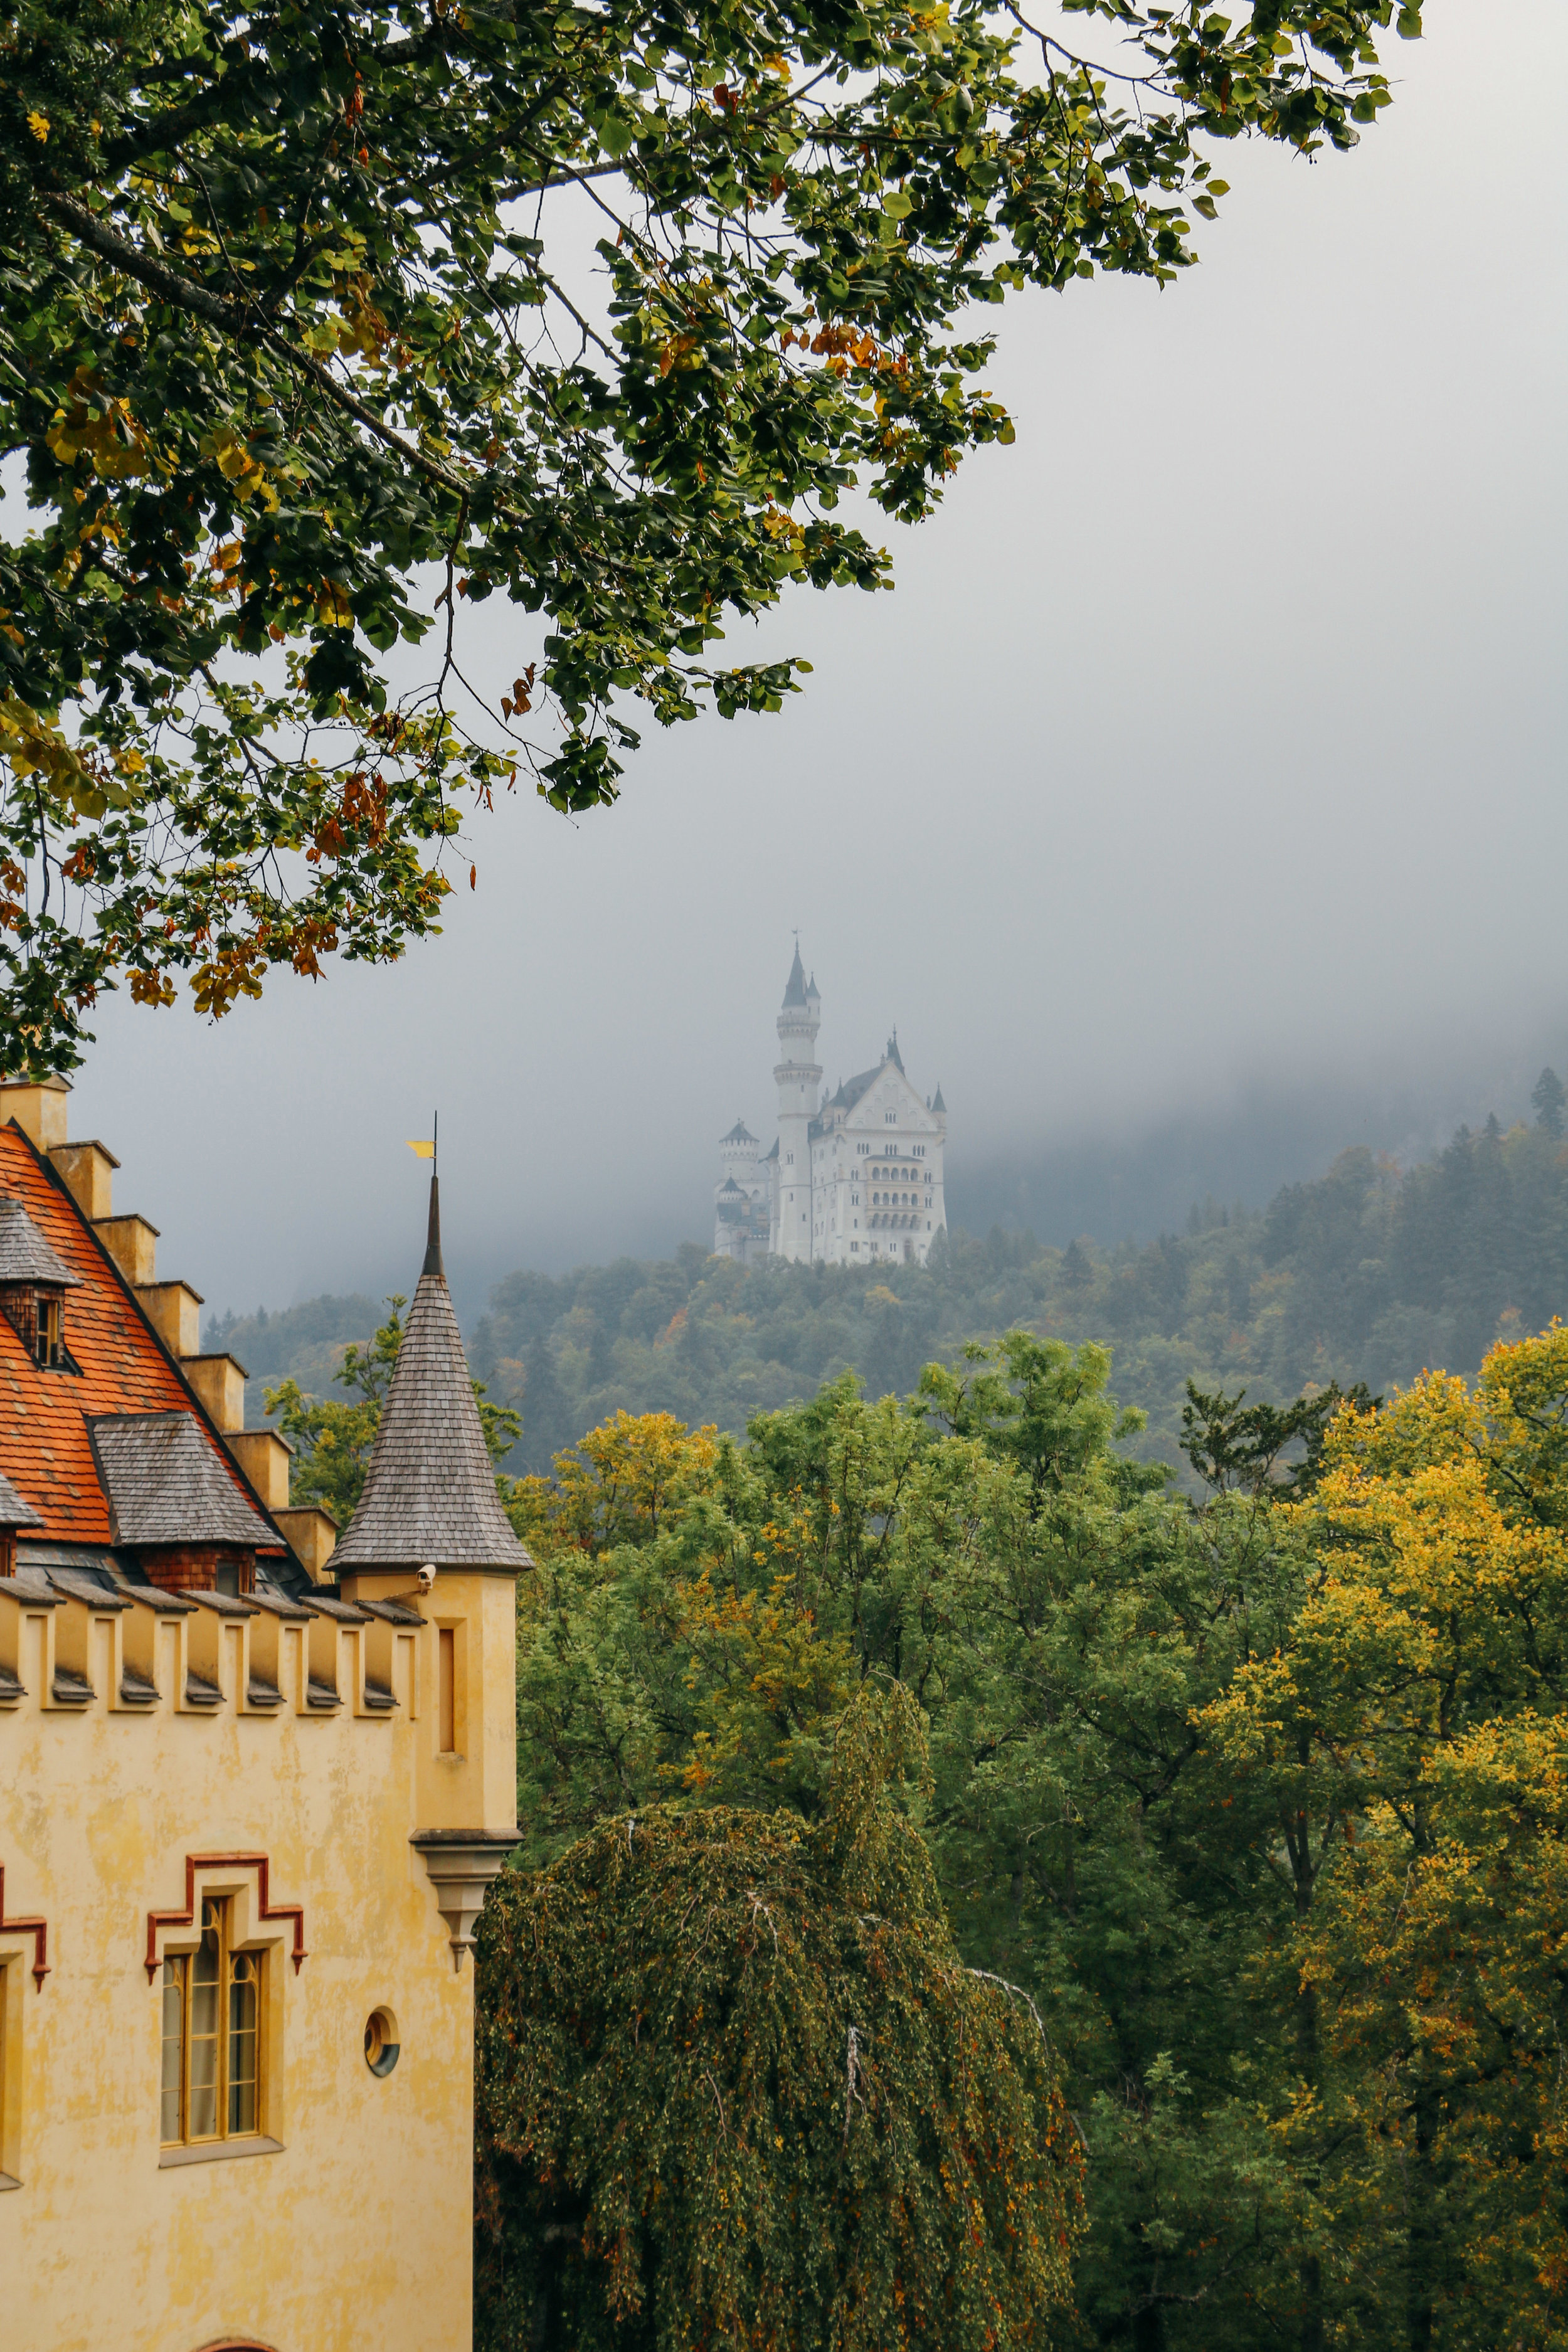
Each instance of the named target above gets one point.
<point>735,2087</point>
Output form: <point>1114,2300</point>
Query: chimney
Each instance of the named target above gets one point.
<point>38,1107</point>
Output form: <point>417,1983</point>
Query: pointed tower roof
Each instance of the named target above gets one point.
<point>794,987</point>
<point>893,1054</point>
<point>430,1493</point>
<point>936,1101</point>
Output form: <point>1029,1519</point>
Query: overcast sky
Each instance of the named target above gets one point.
<point>1213,740</point>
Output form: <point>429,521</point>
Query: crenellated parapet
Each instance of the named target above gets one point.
<point>71,1645</point>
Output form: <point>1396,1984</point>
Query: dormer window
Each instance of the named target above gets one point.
<point>34,1280</point>
<point>36,1315</point>
<point>49,1346</point>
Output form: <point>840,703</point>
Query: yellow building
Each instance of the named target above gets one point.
<point>251,1793</point>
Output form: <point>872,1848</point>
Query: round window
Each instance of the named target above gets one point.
<point>381,2043</point>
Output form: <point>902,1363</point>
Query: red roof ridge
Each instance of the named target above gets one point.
<point>124,1366</point>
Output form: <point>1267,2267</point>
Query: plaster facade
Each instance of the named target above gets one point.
<point>333,1761</point>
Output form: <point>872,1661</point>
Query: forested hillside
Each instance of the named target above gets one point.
<point>1366,1273</point>
<point>302,1343</point>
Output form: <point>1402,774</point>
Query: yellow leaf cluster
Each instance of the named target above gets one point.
<point>616,1486</point>
<point>102,431</point>
<point>32,742</point>
<point>249,476</point>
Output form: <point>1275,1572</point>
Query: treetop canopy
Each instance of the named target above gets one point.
<point>300,368</point>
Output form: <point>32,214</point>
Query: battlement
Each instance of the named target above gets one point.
<point>72,1645</point>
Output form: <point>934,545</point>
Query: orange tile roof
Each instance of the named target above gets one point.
<point>44,1448</point>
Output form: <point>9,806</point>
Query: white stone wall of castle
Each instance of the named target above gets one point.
<point>867,1189</point>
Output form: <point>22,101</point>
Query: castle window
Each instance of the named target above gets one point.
<point>212,2037</point>
<point>447,1695</point>
<point>37,1318</point>
<point>381,2042</point>
<point>34,1280</point>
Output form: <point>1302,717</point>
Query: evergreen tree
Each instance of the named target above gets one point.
<point>1548,1094</point>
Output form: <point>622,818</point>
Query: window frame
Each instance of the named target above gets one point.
<point>239,1967</point>
<point>12,1973</point>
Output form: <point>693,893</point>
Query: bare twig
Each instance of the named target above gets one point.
<point>851,2077</point>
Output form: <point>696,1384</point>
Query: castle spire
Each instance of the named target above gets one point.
<point>429,1492</point>
<point>433,1232</point>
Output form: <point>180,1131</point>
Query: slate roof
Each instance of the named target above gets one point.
<point>936,1101</point>
<point>850,1092</point>
<point>430,1493</point>
<point>24,1254</point>
<point>16,1511</point>
<point>893,1054</point>
<point>740,1133</point>
<point>794,987</point>
<point>44,1441</point>
<point>166,1485</point>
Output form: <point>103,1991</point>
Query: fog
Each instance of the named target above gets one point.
<point>1208,755</point>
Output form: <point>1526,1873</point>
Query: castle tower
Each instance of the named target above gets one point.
<point>798,1076</point>
<point>740,1216</point>
<point>430,1502</point>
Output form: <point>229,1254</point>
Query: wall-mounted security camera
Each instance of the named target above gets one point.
<point>426,1576</point>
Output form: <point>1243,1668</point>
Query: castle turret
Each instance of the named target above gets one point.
<point>798,1076</point>
<point>429,1517</point>
<point>740,1210</point>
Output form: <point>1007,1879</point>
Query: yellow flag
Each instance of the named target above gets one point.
<point>426,1151</point>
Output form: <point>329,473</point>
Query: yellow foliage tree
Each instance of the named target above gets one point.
<point>616,1485</point>
<point>1415,1729</point>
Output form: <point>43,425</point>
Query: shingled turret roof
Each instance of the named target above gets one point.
<point>794,987</point>
<point>430,1493</point>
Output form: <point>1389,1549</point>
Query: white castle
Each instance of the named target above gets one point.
<point>857,1181</point>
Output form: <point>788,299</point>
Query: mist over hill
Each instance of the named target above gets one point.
<point>1365,1272</point>
<point>1242,1149</point>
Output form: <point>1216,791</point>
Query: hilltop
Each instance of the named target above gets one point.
<point>1368,1273</point>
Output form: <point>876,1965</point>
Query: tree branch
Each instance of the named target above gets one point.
<point>238,320</point>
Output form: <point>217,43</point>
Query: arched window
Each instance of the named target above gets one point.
<point>211,2074</point>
